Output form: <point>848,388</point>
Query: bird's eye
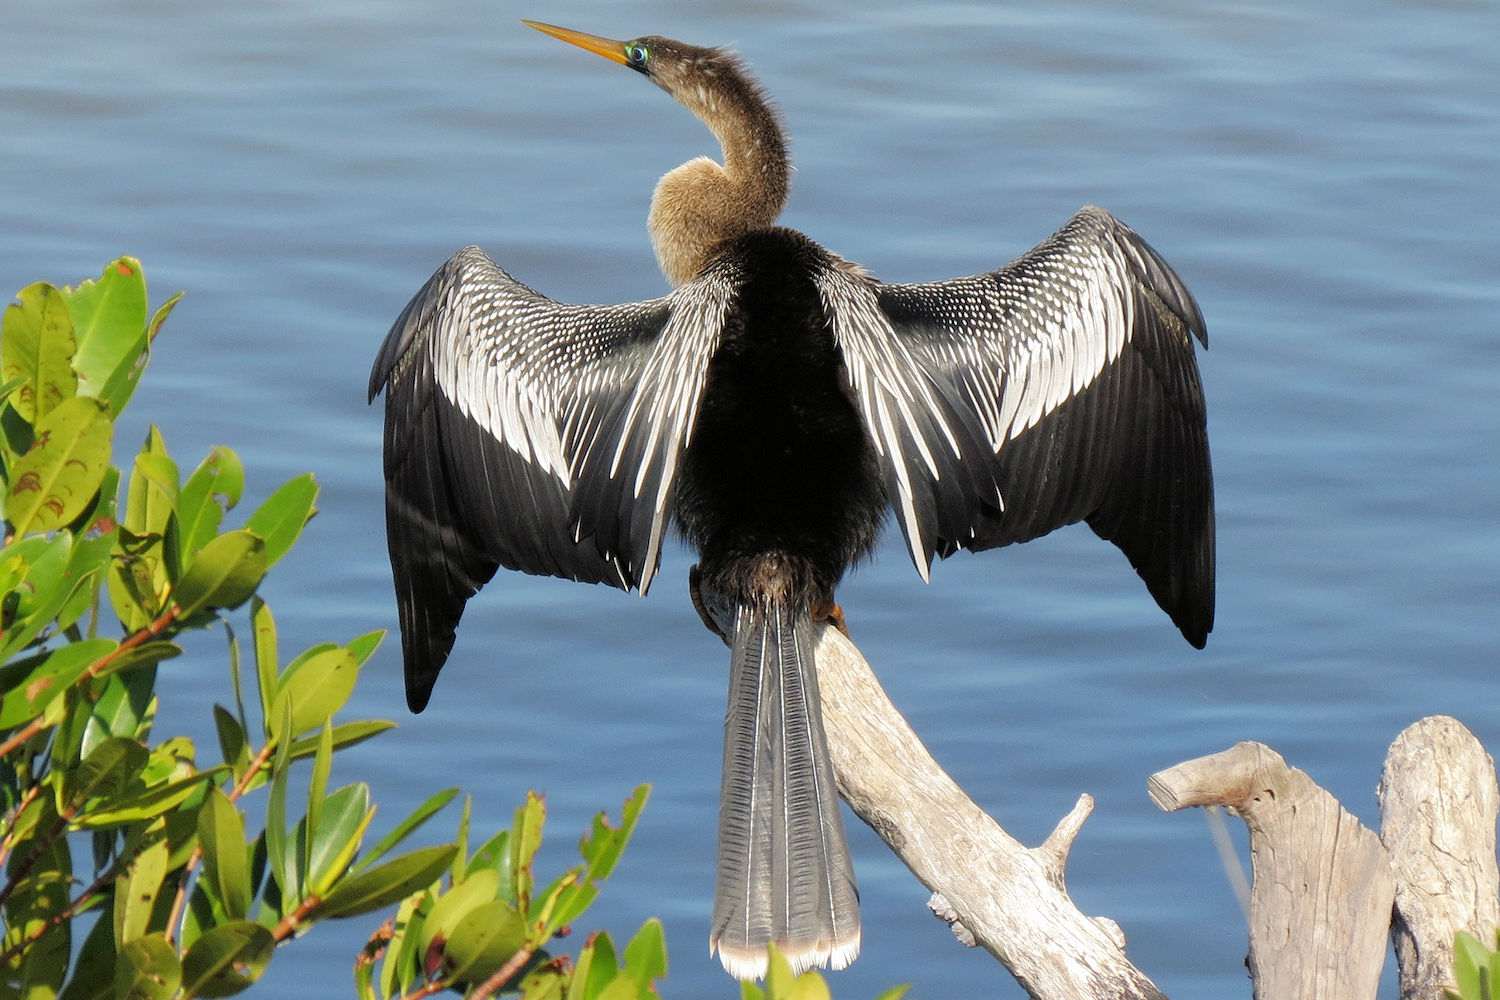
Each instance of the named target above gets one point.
<point>637,54</point>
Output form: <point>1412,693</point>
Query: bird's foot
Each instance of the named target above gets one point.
<point>829,611</point>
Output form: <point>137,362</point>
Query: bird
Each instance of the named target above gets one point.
<point>777,407</point>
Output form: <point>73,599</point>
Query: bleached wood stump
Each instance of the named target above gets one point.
<point>996,892</point>
<point>1320,902</point>
<point>1438,803</point>
<point>1324,885</point>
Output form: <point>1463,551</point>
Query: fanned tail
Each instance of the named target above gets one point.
<point>785,876</point>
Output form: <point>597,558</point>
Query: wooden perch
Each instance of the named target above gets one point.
<point>1438,803</point>
<point>1320,905</point>
<point>995,892</point>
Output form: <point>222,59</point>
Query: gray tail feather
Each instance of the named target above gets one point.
<point>785,876</point>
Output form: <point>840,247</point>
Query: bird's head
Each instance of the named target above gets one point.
<point>701,205</point>
<point>695,76</point>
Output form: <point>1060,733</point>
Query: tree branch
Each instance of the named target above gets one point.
<point>151,631</point>
<point>1008,898</point>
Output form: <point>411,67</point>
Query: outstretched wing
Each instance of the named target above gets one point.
<point>1061,388</point>
<point>525,433</point>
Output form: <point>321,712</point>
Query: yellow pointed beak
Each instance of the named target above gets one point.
<point>610,48</point>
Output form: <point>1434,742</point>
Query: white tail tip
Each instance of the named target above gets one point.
<point>745,964</point>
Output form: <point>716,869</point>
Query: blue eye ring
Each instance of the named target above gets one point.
<point>637,54</point>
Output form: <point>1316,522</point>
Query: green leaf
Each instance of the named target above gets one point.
<point>266,667</point>
<point>33,900</point>
<point>603,967</point>
<point>55,675</point>
<point>226,960</point>
<point>37,344</point>
<point>94,970</point>
<point>646,954</point>
<point>109,316</point>
<point>147,654</point>
<point>160,316</point>
<point>317,787</point>
<point>543,982</point>
<point>495,853</point>
<point>52,483</point>
<point>749,991</point>
<point>233,644</point>
<point>121,385</point>
<point>212,490</point>
<point>147,970</point>
<point>622,987</point>
<point>809,986</point>
<point>1468,957</point>
<point>234,743</point>
<point>345,734</point>
<point>276,833</point>
<point>582,966</point>
<point>451,907</point>
<point>36,583</point>
<point>895,992</point>
<point>314,691</point>
<point>383,885</point>
<point>483,940</point>
<point>461,859</point>
<point>148,802</point>
<point>571,904</point>
<point>226,863</point>
<point>89,561</point>
<point>137,887</point>
<point>525,839</point>
<point>224,573</point>
<point>105,772</point>
<point>281,518</point>
<point>125,708</point>
<point>9,386</point>
<point>407,826</point>
<point>362,647</point>
<point>603,847</point>
<point>398,968</point>
<point>341,826</point>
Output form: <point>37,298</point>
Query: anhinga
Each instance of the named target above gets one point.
<point>774,406</point>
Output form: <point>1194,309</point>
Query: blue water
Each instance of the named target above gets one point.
<point>1323,181</point>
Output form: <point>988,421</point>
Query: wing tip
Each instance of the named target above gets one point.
<point>418,692</point>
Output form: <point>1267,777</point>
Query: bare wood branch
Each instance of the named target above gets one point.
<point>1438,804</point>
<point>1011,899</point>
<point>1321,901</point>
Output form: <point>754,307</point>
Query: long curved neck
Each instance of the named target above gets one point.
<point>701,205</point>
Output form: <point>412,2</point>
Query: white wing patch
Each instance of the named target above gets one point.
<point>1013,346</point>
<point>664,404</point>
<point>543,378</point>
<point>889,382</point>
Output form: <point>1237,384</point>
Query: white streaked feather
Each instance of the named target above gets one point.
<point>1014,346</point>
<point>529,371</point>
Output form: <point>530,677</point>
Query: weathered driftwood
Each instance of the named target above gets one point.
<point>993,890</point>
<point>1438,804</point>
<point>1320,903</point>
